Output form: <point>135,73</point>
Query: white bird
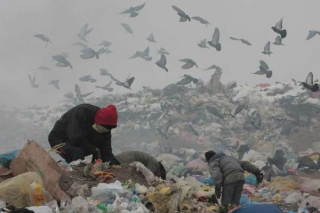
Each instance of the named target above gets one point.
<point>189,63</point>
<point>43,38</point>
<point>151,38</point>
<point>84,32</point>
<point>133,10</point>
<point>162,62</point>
<point>183,16</point>
<point>312,33</point>
<point>278,41</point>
<point>266,49</point>
<point>215,40</point>
<point>203,43</point>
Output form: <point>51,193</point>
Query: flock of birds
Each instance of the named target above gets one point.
<point>88,53</point>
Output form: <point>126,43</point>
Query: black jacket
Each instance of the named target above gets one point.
<point>75,128</point>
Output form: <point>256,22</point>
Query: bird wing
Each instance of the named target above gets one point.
<point>203,42</point>
<point>88,53</point>
<point>184,81</point>
<point>278,39</point>
<point>84,46</point>
<point>137,8</point>
<point>198,18</point>
<point>86,94</point>
<point>130,10</point>
<point>69,95</point>
<point>267,47</point>
<point>233,38</point>
<point>102,50</point>
<point>186,60</point>
<point>163,59</point>
<point>216,36</point>
<point>166,126</point>
<point>311,34</point>
<point>245,42</point>
<point>114,79</point>
<point>178,10</point>
<point>104,71</point>
<point>127,28</point>
<point>264,65</point>
<point>84,29</point>
<point>52,82</point>
<point>77,90</point>
<point>151,37</point>
<point>260,72</point>
<point>30,79</point>
<point>137,54</point>
<point>85,78</point>
<point>130,81</point>
<point>279,24</point>
<point>145,52</point>
<point>187,65</point>
<point>309,79</point>
<point>42,37</point>
<point>109,84</point>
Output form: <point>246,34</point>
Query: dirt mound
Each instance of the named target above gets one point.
<point>123,173</point>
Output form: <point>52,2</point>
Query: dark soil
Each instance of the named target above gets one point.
<point>123,173</point>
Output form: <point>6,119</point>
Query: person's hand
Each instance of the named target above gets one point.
<point>259,177</point>
<point>95,155</point>
<point>218,192</point>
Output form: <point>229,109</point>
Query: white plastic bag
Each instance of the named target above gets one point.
<point>79,205</point>
<point>2,204</point>
<point>40,209</point>
<point>293,198</point>
<point>103,188</point>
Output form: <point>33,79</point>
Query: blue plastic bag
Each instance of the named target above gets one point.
<point>5,159</point>
<point>252,180</point>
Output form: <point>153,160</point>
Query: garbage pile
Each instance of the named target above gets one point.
<point>275,127</point>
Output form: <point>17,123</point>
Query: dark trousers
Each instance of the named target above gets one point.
<point>231,193</point>
<point>71,153</point>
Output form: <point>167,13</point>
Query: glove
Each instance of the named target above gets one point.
<point>95,155</point>
<point>218,192</point>
<point>259,177</point>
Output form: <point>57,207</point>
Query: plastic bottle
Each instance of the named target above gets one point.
<point>37,195</point>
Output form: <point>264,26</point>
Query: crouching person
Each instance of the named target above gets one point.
<point>228,173</point>
<point>157,168</point>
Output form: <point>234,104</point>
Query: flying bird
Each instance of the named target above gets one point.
<point>264,70</point>
<point>79,95</point>
<point>84,32</point>
<point>43,38</point>
<point>84,46</point>
<point>151,38</point>
<point>87,78</point>
<point>106,87</point>
<point>187,79</point>
<point>127,84</point>
<point>215,40</point>
<point>163,131</point>
<point>312,33</point>
<point>201,20</point>
<point>183,16</point>
<point>105,43</point>
<point>70,95</point>
<point>309,84</point>
<point>62,61</point>
<point>242,40</point>
<point>55,83</point>
<point>127,28</point>
<point>33,81</point>
<point>90,53</point>
<point>266,49</point>
<point>133,10</point>
<point>104,72</point>
<point>203,43</point>
<point>217,68</point>
<point>189,63</point>
<point>144,55</point>
<point>278,41</point>
<point>278,29</point>
<point>43,68</point>
<point>162,62</point>
<point>162,51</point>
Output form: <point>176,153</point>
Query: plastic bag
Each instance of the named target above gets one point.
<point>40,209</point>
<point>150,178</point>
<point>79,190</point>
<point>5,159</point>
<point>309,185</point>
<point>252,180</point>
<point>293,198</point>
<point>2,204</point>
<point>102,188</point>
<point>15,191</point>
<point>79,205</point>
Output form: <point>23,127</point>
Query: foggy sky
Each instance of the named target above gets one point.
<point>60,20</point>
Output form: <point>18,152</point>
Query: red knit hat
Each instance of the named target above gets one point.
<point>107,116</point>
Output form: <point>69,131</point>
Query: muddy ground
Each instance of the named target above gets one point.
<point>122,173</point>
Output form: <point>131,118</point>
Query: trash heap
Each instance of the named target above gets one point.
<point>212,116</point>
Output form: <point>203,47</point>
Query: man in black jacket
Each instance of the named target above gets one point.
<point>85,130</point>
